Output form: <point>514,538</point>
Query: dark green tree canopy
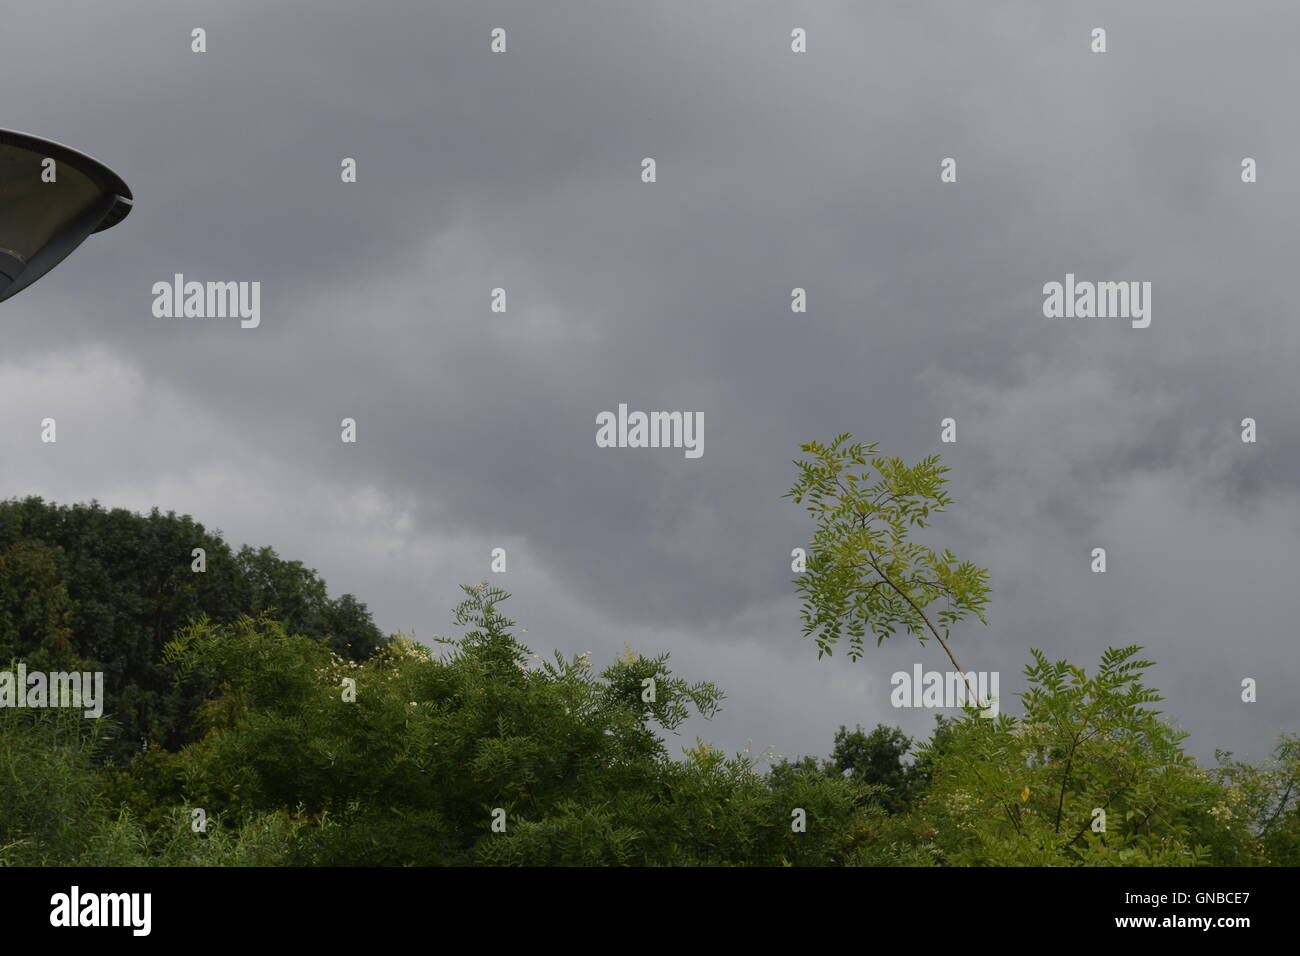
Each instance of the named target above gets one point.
<point>104,589</point>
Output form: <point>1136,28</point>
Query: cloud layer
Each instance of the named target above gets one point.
<point>476,430</point>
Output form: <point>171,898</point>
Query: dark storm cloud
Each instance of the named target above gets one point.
<point>775,171</point>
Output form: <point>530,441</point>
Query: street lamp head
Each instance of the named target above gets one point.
<point>51,199</point>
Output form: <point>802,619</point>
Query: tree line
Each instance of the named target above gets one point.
<point>253,719</point>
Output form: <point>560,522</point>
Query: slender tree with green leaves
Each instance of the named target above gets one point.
<point>864,571</point>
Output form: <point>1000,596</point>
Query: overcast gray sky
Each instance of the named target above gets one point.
<point>775,170</point>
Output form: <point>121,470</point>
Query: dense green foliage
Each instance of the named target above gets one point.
<point>290,769</point>
<point>87,588</point>
<point>284,731</point>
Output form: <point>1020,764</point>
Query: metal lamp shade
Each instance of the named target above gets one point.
<point>41,222</point>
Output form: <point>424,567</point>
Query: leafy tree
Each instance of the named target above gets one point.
<point>411,771</point>
<point>36,611</point>
<point>1087,775</point>
<point>1005,790</point>
<point>876,762</point>
<point>104,589</point>
<point>1267,797</point>
<point>878,759</point>
<point>783,772</point>
<point>863,570</point>
<point>295,595</point>
<point>49,791</point>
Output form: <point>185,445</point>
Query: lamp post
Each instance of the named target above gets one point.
<point>51,199</point>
